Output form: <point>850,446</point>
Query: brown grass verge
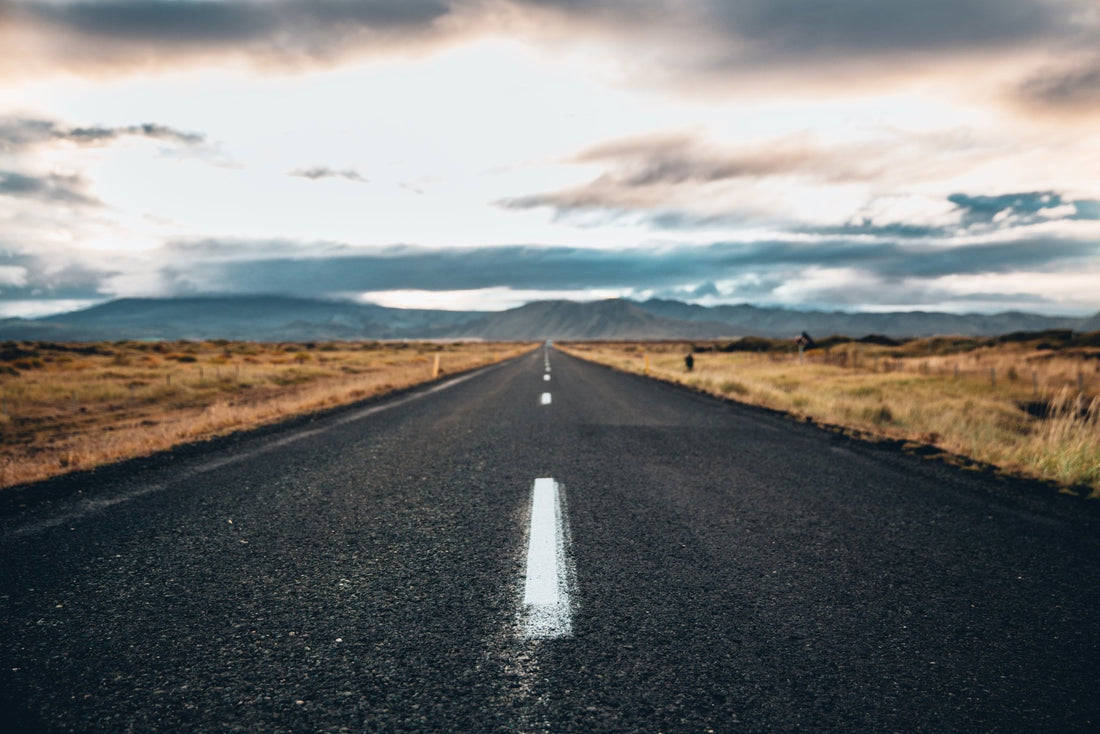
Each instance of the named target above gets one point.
<point>1029,411</point>
<point>68,407</point>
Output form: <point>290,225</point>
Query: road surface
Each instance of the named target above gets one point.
<point>546,545</point>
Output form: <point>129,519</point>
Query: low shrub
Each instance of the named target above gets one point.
<point>734,387</point>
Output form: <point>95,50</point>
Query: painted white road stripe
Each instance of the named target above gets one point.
<point>546,377</point>
<point>545,400</point>
<point>547,610</point>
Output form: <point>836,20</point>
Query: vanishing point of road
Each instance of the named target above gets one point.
<point>546,545</point>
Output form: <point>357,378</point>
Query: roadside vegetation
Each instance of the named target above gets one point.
<point>1027,403</point>
<point>67,407</point>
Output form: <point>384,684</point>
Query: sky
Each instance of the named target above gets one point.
<point>869,155</point>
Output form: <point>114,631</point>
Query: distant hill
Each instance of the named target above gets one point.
<point>279,318</point>
<point>778,322</point>
<point>1090,324</point>
<point>613,319</point>
<point>258,318</point>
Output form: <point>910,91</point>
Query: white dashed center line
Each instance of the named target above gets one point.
<point>547,610</point>
<point>545,399</point>
<point>546,377</point>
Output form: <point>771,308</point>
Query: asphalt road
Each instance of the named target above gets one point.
<point>727,570</point>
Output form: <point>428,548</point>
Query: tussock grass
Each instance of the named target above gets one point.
<point>1023,404</point>
<point>67,407</point>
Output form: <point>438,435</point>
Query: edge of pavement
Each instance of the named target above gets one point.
<point>20,497</point>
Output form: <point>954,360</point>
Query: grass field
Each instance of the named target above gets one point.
<point>1028,404</point>
<point>67,407</point>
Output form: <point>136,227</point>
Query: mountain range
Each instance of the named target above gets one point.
<point>281,318</point>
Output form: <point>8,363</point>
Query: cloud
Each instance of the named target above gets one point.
<point>1022,208</point>
<point>12,276</point>
<point>232,21</point>
<point>18,134</point>
<point>970,215</point>
<point>705,289</point>
<point>717,38</point>
<point>682,37</point>
<point>808,28</point>
<point>648,161</point>
<point>654,172</point>
<point>24,276</point>
<point>830,290</point>
<point>1074,88</point>
<point>126,33</point>
<point>319,172</point>
<point>679,182</point>
<point>894,230</point>
<point>52,188</point>
<point>848,272</point>
<point>578,269</point>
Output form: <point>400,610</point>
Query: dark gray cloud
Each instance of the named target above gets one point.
<point>145,130</point>
<point>565,268</point>
<point>897,260</point>
<point>204,22</point>
<point>21,133</point>
<point>704,35</point>
<point>319,172</point>
<point>1076,88</point>
<point>462,269</point>
<point>138,31</point>
<point>802,28</point>
<point>756,32</point>
<point>52,188</point>
<point>762,272</point>
<point>1022,208</point>
<point>893,231</point>
<point>1001,211</point>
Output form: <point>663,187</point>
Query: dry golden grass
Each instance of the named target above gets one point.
<point>1033,412</point>
<point>67,407</point>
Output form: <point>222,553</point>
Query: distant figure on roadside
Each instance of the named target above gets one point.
<point>805,341</point>
<point>689,362</point>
